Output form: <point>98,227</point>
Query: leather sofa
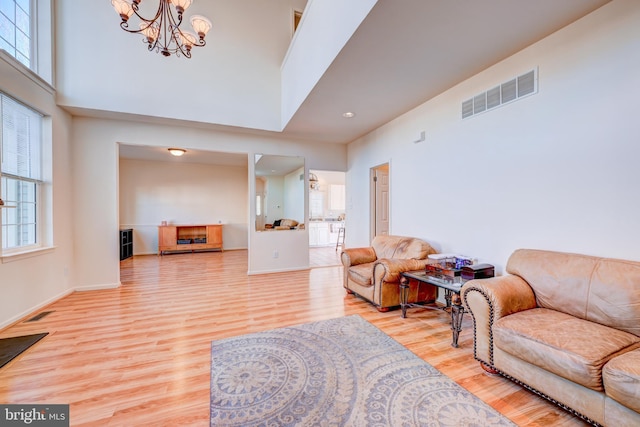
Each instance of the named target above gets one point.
<point>284,224</point>
<point>567,327</point>
<point>373,272</point>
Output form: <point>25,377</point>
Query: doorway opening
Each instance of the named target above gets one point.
<point>327,205</point>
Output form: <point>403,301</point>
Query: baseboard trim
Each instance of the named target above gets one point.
<point>280,270</point>
<point>29,312</point>
<point>98,287</point>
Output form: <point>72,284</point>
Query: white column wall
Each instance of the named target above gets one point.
<point>556,170</point>
<point>277,250</point>
<point>95,166</point>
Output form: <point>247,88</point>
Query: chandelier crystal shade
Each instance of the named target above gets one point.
<point>162,33</point>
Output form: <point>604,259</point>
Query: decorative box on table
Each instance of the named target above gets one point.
<point>477,271</point>
<point>446,267</point>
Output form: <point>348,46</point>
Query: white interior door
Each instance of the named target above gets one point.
<point>380,203</point>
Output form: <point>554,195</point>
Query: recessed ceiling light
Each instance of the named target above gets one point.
<point>348,114</point>
<point>177,151</point>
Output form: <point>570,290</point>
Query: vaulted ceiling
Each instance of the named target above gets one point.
<point>408,51</point>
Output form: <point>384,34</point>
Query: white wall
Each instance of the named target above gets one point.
<point>294,196</point>
<point>325,28</point>
<point>556,170</point>
<point>182,193</point>
<point>27,284</point>
<point>233,80</point>
<point>274,199</point>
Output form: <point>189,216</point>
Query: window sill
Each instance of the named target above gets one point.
<point>18,256</point>
<point>26,71</point>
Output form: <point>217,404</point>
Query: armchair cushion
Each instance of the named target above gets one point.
<point>401,247</point>
<point>361,274</point>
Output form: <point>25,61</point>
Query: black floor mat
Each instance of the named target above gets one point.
<point>11,348</point>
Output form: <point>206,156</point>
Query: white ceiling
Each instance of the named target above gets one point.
<point>408,51</point>
<point>161,154</point>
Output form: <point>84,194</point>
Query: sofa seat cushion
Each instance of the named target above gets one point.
<point>621,378</point>
<point>362,274</point>
<point>565,345</point>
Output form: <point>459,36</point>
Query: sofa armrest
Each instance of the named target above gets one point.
<point>490,299</point>
<point>355,256</point>
<point>389,269</point>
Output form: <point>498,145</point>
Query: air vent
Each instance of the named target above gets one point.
<point>511,90</point>
<point>39,316</point>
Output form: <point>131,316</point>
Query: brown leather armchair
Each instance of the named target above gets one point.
<point>373,272</point>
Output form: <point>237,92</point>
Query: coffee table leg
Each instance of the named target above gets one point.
<point>447,297</point>
<point>404,295</point>
<point>457,312</point>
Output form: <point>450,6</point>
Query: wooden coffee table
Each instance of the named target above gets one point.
<point>452,297</point>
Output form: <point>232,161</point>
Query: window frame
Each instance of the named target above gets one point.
<point>39,239</point>
<point>41,59</point>
<point>37,217</point>
<point>32,33</point>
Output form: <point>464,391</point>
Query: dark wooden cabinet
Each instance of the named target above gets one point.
<point>126,243</point>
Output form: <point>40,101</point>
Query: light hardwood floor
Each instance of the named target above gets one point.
<point>140,355</point>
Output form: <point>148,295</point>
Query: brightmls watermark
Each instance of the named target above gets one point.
<point>34,415</point>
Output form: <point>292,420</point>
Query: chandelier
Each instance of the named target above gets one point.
<point>162,33</point>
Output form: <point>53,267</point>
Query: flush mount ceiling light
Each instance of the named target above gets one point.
<point>348,114</point>
<point>177,151</point>
<point>162,33</point>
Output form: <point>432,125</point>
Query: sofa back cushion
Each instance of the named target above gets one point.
<point>401,247</point>
<point>602,290</point>
<point>615,295</point>
<point>288,222</point>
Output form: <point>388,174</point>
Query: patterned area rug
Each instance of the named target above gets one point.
<point>339,372</point>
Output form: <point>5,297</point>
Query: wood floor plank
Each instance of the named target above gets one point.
<point>139,355</point>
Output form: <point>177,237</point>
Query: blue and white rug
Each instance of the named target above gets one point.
<point>339,372</point>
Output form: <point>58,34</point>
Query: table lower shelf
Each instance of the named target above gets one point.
<point>452,298</point>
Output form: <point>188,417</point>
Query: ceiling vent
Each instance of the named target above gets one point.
<point>509,91</point>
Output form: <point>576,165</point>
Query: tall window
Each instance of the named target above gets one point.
<point>20,174</point>
<point>15,29</point>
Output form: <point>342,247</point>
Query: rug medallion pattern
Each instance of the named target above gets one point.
<point>339,372</point>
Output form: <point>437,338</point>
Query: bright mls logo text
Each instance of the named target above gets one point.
<point>37,415</point>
